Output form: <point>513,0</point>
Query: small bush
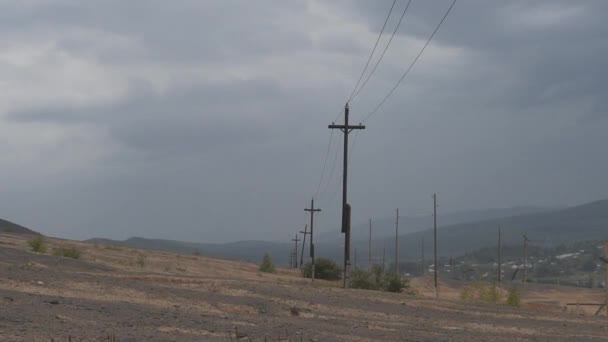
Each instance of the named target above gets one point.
<point>37,244</point>
<point>361,279</point>
<point>394,283</point>
<point>324,269</point>
<point>67,252</point>
<point>266,266</point>
<point>514,298</point>
<point>480,291</point>
<point>141,260</point>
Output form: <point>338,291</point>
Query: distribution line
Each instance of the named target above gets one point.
<point>411,65</point>
<point>369,76</point>
<point>373,50</point>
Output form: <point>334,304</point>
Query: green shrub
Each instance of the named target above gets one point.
<point>324,269</point>
<point>67,252</point>
<point>266,266</point>
<point>37,244</point>
<point>514,298</point>
<point>361,279</point>
<point>480,291</point>
<point>141,260</point>
<point>394,283</point>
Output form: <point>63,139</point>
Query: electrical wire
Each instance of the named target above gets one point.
<point>411,65</point>
<point>373,50</point>
<point>369,76</point>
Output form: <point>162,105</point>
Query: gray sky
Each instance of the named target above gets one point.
<point>207,120</point>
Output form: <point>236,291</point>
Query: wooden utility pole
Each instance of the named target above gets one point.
<point>435,241</point>
<point>383,257</point>
<point>422,256</point>
<point>525,257</point>
<point>499,260</point>
<point>397,243</point>
<point>295,264</point>
<point>346,128</point>
<point>369,247</point>
<point>305,232</point>
<point>606,276</point>
<point>312,212</point>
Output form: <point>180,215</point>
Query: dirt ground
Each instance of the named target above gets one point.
<point>141,295</point>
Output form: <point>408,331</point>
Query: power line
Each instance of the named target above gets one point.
<point>373,50</point>
<point>411,65</point>
<point>369,76</point>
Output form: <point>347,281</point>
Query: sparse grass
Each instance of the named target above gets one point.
<point>514,297</point>
<point>113,248</point>
<point>67,252</point>
<point>37,244</point>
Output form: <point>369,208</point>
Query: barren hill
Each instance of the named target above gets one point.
<point>144,295</point>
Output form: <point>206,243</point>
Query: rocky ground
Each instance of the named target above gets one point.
<point>134,295</point>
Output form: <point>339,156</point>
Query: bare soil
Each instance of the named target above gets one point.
<point>142,295</point>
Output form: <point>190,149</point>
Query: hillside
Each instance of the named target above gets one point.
<point>10,227</point>
<point>545,228</point>
<point>125,294</point>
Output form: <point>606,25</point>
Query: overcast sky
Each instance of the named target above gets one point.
<point>207,120</point>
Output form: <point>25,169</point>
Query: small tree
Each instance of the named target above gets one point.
<point>37,244</point>
<point>266,266</point>
<point>324,269</point>
<point>514,298</point>
<point>394,283</point>
<point>361,279</point>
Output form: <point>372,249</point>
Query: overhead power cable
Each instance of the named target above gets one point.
<point>411,65</point>
<point>369,76</point>
<point>373,50</point>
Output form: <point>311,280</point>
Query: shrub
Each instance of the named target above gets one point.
<point>141,260</point>
<point>37,244</point>
<point>267,265</point>
<point>361,279</point>
<point>514,298</point>
<point>394,283</point>
<point>480,291</point>
<point>324,269</point>
<point>67,252</point>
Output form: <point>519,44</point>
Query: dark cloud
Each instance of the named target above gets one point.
<point>211,121</point>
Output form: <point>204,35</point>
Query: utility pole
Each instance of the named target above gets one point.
<point>305,232</point>
<point>295,264</point>
<point>499,260</point>
<point>397,243</point>
<point>383,257</point>
<point>422,257</point>
<point>435,240</point>
<point>312,211</point>
<point>525,257</point>
<point>346,128</point>
<point>369,248</point>
<point>606,276</point>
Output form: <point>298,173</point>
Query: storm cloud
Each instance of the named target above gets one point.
<point>207,120</point>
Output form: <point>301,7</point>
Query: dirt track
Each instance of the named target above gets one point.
<point>193,298</point>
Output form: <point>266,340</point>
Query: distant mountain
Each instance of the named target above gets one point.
<point>543,227</point>
<point>10,227</point>
<point>385,227</point>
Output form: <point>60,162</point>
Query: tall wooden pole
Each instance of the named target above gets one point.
<point>397,243</point>
<point>305,232</point>
<point>525,258</point>
<point>499,260</point>
<point>312,212</point>
<point>435,241</point>
<point>295,264</point>
<point>369,247</point>
<point>346,128</point>
<point>606,276</point>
